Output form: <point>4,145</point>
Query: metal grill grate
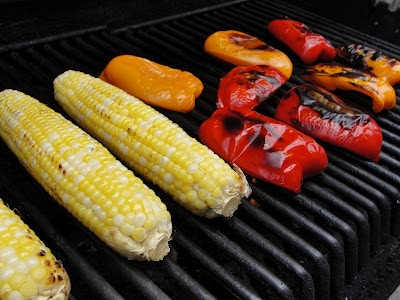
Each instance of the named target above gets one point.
<point>305,246</point>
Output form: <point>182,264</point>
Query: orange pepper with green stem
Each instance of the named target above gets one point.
<point>154,83</point>
<point>242,49</point>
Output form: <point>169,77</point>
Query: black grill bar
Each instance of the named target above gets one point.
<point>226,278</point>
<point>268,225</point>
<point>217,242</point>
<point>347,234</point>
<point>253,237</point>
<point>364,234</point>
<point>185,281</point>
<point>278,245</point>
<point>375,197</point>
<point>316,234</point>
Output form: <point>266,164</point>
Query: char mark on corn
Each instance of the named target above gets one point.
<point>28,269</point>
<point>152,145</point>
<point>85,178</point>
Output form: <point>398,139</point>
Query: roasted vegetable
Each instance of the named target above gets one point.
<point>319,113</point>
<point>28,269</point>
<point>248,86</point>
<point>153,145</point>
<point>242,49</point>
<point>153,83</point>
<point>263,147</point>
<point>82,175</point>
<point>332,77</point>
<point>308,45</point>
<point>371,60</point>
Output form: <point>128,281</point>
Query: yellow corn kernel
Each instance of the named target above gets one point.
<point>84,177</point>
<point>152,145</point>
<point>22,257</point>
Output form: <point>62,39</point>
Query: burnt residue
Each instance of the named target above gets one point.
<point>232,124</point>
<point>250,42</point>
<point>329,106</point>
<point>350,54</point>
<point>329,70</point>
<point>236,122</point>
<point>253,75</point>
<point>361,56</point>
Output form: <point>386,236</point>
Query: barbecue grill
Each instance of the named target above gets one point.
<point>337,239</point>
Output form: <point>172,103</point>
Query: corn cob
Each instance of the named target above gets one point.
<point>85,178</point>
<point>152,145</point>
<point>28,269</point>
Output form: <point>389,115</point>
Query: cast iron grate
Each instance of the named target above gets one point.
<point>278,245</point>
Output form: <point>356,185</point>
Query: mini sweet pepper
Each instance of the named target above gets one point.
<point>263,147</point>
<point>321,114</point>
<point>308,45</point>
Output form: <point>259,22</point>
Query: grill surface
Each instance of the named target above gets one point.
<point>317,244</point>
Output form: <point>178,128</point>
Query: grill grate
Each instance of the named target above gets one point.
<point>305,246</point>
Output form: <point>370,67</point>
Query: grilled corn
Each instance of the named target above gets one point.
<point>28,269</point>
<point>152,145</point>
<point>84,177</point>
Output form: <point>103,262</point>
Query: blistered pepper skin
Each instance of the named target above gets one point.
<point>242,49</point>
<point>308,45</point>
<point>332,77</point>
<point>321,114</point>
<point>155,84</point>
<point>248,86</point>
<point>263,147</point>
<point>371,60</point>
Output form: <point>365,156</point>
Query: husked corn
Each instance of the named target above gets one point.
<point>152,145</point>
<point>28,269</point>
<point>85,178</point>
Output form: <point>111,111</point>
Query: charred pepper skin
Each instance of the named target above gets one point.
<point>242,49</point>
<point>371,60</point>
<point>263,147</point>
<point>308,45</point>
<point>332,77</point>
<point>249,86</point>
<point>321,114</point>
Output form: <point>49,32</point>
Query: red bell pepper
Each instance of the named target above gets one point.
<point>321,114</point>
<point>263,147</point>
<point>308,45</point>
<point>249,86</point>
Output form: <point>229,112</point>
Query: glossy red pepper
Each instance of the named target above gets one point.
<point>321,114</point>
<point>263,147</point>
<point>308,45</point>
<point>249,86</point>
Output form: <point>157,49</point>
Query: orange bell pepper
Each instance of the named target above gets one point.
<point>332,77</point>
<point>153,83</point>
<point>371,60</point>
<point>242,49</point>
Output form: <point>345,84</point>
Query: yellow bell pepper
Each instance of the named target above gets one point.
<point>371,60</point>
<point>332,77</point>
<point>242,49</point>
